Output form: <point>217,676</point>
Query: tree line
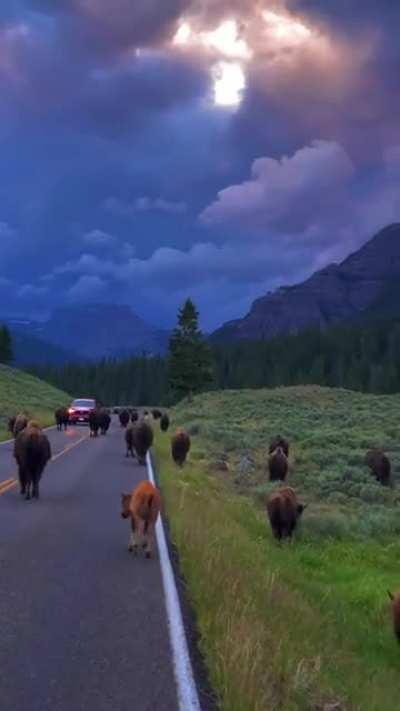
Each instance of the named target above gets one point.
<point>6,349</point>
<point>364,358</point>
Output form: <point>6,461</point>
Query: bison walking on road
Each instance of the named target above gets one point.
<point>20,423</point>
<point>142,440</point>
<point>129,439</point>
<point>61,416</point>
<point>104,419</point>
<point>32,452</point>
<point>284,512</point>
<point>124,418</point>
<point>180,445</point>
<point>94,423</point>
<point>142,506</point>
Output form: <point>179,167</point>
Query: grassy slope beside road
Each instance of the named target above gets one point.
<point>302,625</point>
<point>20,391</point>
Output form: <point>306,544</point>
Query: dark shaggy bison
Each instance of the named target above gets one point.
<point>395,613</point>
<point>284,512</point>
<point>124,418</point>
<point>61,416</point>
<point>157,414</point>
<point>142,440</point>
<point>379,465</point>
<point>94,422</point>
<point>180,445</point>
<point>32,452</point>
<point>278,465</point>
<point>281,442</point>
<point>20,423</point>
<point>164,422</point>
<point>129,439</point>
<point>104,419</point>
<point>134,416</point>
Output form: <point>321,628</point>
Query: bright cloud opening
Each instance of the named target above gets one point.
<point>225,39</point>
<point>229,83</point>
<point>286,29</point>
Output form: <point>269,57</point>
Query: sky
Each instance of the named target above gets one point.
<point>217,149</point>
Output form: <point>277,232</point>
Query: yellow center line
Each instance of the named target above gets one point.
<point>9,484</point>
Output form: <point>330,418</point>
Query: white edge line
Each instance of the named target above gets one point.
<point>188,699</point>
<point>45,429</point>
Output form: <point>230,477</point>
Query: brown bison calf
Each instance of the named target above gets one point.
<point>281,442</point>
<point>164,422</point>
<point>32,452</point>
<point>142,440</point>
<point>180,445</point>
<point>395,613</point>
<point>142,506</point>
<point>283,512</point>
<point>379,465</point>
<point>61,416</point>
<point>278,465</point>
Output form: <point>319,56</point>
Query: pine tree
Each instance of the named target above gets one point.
<point>190,367</point>
<point>6,351</point>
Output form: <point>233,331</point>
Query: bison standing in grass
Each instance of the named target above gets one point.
<point>284,512</point>
<point>124,418</point>
<point>278,465</point>
<point>142,440</point>
<point>164,422</point>
<point>32,452</point>
<point>104,418</point>
<point>180,445</point>
<point>142,506</point>
<point>281,442</point>
<point>61,416</point>
<point>129,439</point>
<point>395,613</point>
<point>379,465</point>
<point>20,423</point>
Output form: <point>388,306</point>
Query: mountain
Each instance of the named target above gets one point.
<point>366,284</point>
<point>29,350</point>
<point>89,332</point>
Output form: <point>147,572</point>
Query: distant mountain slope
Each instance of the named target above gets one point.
<point>87,332</point>
<point>367,281</point>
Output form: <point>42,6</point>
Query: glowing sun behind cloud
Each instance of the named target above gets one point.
<point>229,83</point>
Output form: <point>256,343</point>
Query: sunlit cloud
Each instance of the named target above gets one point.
<point>286,29</point>
<point>224,40</point>
<point>229,83</point>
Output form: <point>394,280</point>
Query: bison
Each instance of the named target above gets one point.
<point>180,445</point>
<point>379,465</point>
<point>129,439</point>
<point>124,418</point>
<point>395,613</point>
<point>104,419</point>
<point>284,512</point>
<point>164,422</point>
<point>142,506</point>
<point>134,416</point>
<point>32,452</point>
<point>94,422</point>
<point>157,414</point>
<point>142,440</point>
<point>281,442</point>
<point>61,416</point>
<point>278,465</point>
<point>21,422</point>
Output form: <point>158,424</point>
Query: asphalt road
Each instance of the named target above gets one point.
<point>82,621</point>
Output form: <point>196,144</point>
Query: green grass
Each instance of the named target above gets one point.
<point>301,625</point>
<point>20,391</point>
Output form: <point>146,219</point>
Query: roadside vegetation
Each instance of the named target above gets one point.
<point>20,391</point>
<point>301,625</point>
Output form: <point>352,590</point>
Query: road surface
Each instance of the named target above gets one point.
<point>82,622</point>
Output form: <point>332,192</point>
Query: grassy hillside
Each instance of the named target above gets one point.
<point>20,391</point>
<point>292,626</point>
